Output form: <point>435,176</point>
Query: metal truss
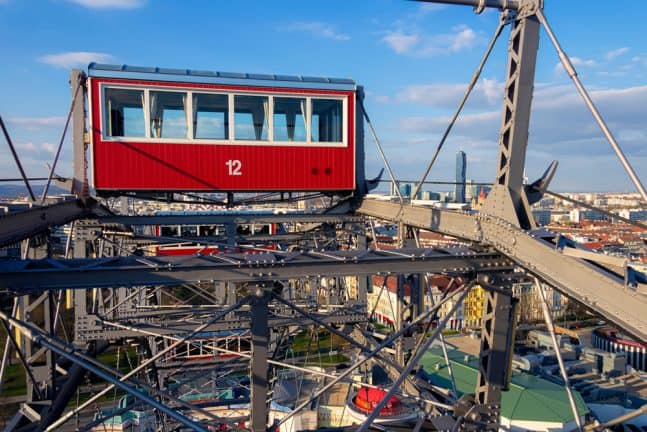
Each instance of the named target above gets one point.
<point>117,313</point>
<point>96,327</point>
<point>601,291</point>
<point>199,218</point>
<point>15,227</point>
<point>19,277</point>
<point>117,297</point>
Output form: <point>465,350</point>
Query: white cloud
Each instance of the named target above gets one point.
<point>640,60</point>
<point>382,99</point>
<point>110,4</point>
<point>487,92</point>
<point>459,39</point>
<point>71,59</point>
<point>492,90</point>
<point>438,124</point>
<point>561,126</point>
<point>576,61</point>
<point>37,123</point>
<point>464,37</point>
<point>401,43</point>
<point>35,164</point>
<point>28,146</point>
<point>616,53</point>
<point>48,147</point>
<point>318,29</point>
<point>582,62</point>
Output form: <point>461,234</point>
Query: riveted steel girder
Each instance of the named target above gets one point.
<point>39,275</point>
<point>602,292</point>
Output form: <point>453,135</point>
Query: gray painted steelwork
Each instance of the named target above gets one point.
<point>15,227</point>
<point>504,225</point>
<point>94,328</point>
<point>79,144</point>
<point>600,291</point>
<point>478,5</point>
<point>497,340</point>
<point>223,78</point>
<point>259,366</point>
<point>237,218</point>
<point>39,275</point>
<point>50,343</point>
<point>558,354</point>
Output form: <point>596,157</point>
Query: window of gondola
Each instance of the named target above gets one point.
<point>168,114</point>
<point>189,230</point>
<point>207,230</point>
<point>125,113</point>
<point>206,116</point>
<point>326,120</point>
<point>289,119</point>
<point>210,116</point>
<point>250,118</point>
<point>169,230</point>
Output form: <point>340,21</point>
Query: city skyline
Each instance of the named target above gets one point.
<point>416,60</point>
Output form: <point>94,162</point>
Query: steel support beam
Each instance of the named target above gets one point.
<point>26,276</point>
<point>412,363</point>
<point>46,342</point>
<point>480,4</point>
<point>562,369</point>
<point>602,292</point>
<point>497,341</point>
<point>388,341</point>
<point>508,200</point>
<point>15,227</point>
<point>94,328</point>
<point>150,361</point>
<point>259,369</point>
<point>227,217</point>
<point>79,145</point>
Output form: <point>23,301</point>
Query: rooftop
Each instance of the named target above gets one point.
<point>212,77</point>
<point>529,399</point>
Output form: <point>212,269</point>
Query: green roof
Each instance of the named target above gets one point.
<point>530,398</point>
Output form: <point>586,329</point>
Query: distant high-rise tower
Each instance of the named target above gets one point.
<point>405,190</point>
<point>461,170</point>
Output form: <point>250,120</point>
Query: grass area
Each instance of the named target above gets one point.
<point>109,397</point>
<point>382,328</point>
<point>303,343</point>
<point>109,358</point>
<point>450,332</point>
<point>326,360</point>
<point>14,383</point>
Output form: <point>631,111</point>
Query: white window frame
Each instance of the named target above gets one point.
<point>306,118</point>
<point>344,122</point>
<point>148,112</point>
<point>230,119</point>
<point>103,115</point>
<point>270,113</point>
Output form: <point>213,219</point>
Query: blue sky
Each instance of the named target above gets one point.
<point>413,59</point>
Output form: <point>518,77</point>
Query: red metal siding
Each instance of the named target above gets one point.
<point>184,166</point>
